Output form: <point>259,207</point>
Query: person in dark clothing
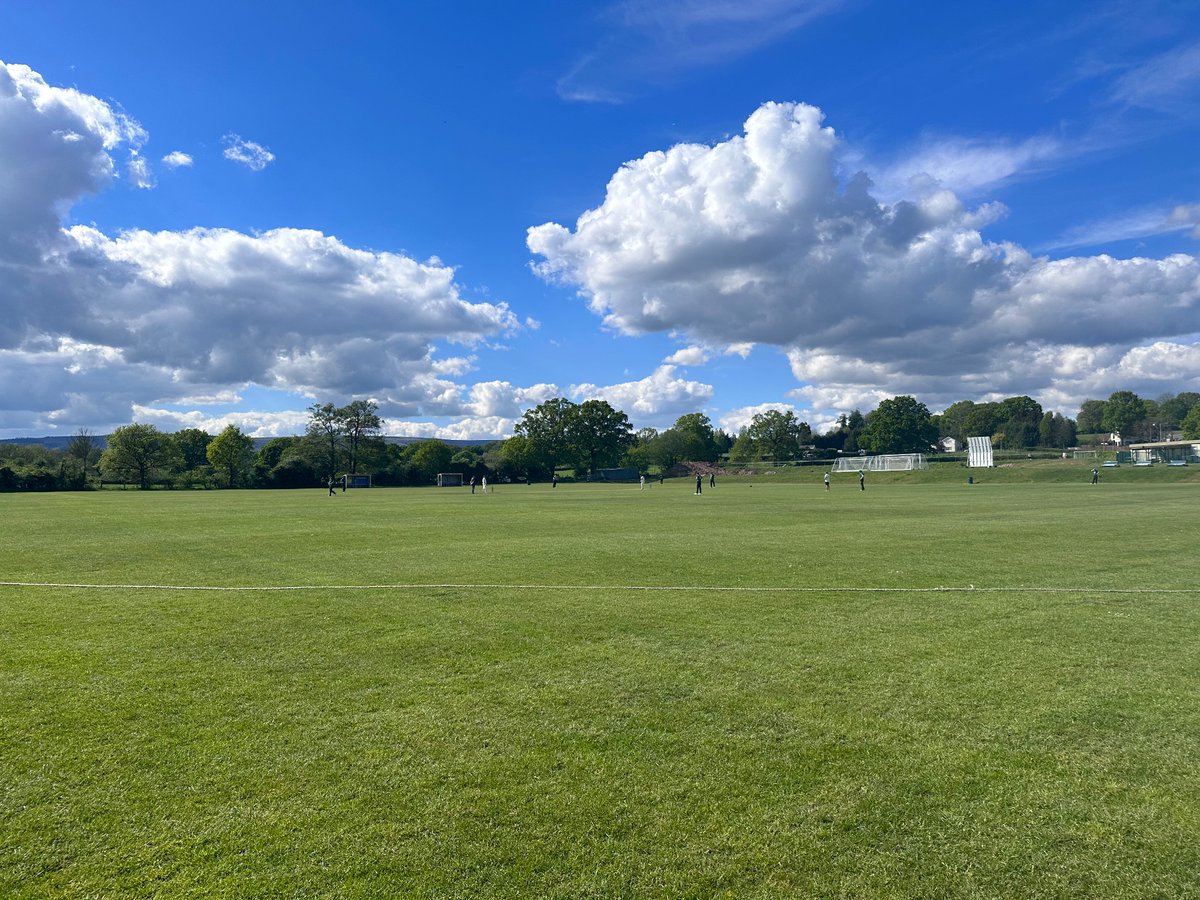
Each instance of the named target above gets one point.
<point>332,492</point>
<point>712,479</point>
<point>862,479</point>
<point>699,484</point>
<point>1095,476</point>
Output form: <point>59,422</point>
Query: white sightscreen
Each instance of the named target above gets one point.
<point>979,452</point>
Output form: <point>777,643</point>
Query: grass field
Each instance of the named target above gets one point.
<point>926,689</point>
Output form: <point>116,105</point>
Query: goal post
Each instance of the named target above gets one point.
<point>450,479</point>
<point>891,462</point>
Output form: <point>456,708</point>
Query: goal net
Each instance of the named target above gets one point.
<point>893,462</point>
<point>450,479</point>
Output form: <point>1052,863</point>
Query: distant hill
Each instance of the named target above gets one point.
<point>61,442</point>
<point>54,443</point>
<point>404,441</point>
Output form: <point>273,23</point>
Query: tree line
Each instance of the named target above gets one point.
<point>560,435</point>
<point>1139,419</point>
<point>338,441</point>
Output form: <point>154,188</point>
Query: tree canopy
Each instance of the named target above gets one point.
<point>597,434</point>
<point>1190,426</point>
<point>340,435</point>
<point>138,453</point>
<point>232,454</point>
<point>777,434</point>
<point>1123,412</point>
<point>586,436</point>
<point>899,425</point>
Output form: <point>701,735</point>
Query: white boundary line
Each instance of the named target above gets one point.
<point>649,588</point>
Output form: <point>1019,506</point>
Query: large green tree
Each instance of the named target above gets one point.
<point>1091,417</point>
<point>470,461</point>
<point>232,454</point>
<point>1172,410</point>
<point>340,436</point>
<point>429,458</point>
<point>325,436</point>
<point>597,435</point>
<point>1190,426</point>
<point>360,425</point>
<point>982,420</point>
<point>1020,417</point>
<point>852,426</point>
<point>84,449</point>
<point>639,455</point>
<point>669,449</point>
<point>268,457</point>
<point>743,449</point>
<point>1124,411</point>
<point>899,425</point>
<point>697,439</point>
<point>139,453</point>
<point>777,434</point>
<point>546,430</point>
<point>1055,430</point>
<point>952,422</point>
<point>520,457</point>
<point>193,447</point>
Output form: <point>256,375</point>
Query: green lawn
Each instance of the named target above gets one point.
<point>924,689</point>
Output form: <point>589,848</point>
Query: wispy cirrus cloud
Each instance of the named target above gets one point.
<point>646,42</point>
<point>1130,225</point>
<point>1168,82</point>
<point>139,171</point>
<point>250,154</point>
<point>967,166</point>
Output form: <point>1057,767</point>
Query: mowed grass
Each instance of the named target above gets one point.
<point>768,690</point>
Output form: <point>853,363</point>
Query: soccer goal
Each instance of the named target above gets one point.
<point>450,479</point>
<point>891,462</point>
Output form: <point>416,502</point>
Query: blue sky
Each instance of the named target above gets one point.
<point>224,213</point>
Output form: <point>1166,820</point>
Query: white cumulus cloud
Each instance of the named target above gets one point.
<point>96,324</point>
<point>500,399</point>
<point>688,356</point>
<point>735,420</point>
<point>656,400</point>
<point>252,423</point>
<point>762,239</point>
